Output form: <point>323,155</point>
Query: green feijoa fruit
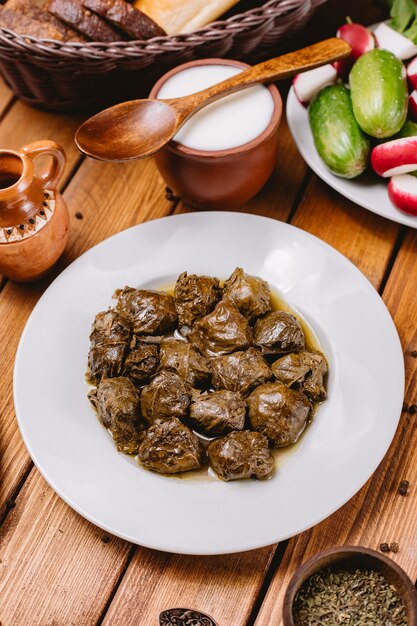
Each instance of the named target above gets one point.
<point>339,141</point>
<point>379,93</point>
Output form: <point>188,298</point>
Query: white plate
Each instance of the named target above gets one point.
<point>369,190</point>
<point>335,457</point>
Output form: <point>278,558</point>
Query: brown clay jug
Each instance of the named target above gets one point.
<point>34,218</point>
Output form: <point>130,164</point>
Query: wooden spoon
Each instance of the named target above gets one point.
<point>138,128</point>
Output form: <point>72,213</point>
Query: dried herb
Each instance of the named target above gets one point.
<point>349,598</point>
<point>403,488</point>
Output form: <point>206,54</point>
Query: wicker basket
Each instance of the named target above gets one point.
<point>72,76</point>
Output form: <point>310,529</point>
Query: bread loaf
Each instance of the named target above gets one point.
<point>32,10</point>
<point>183,16</point>
<point>26,25</point>
<point>92,26</point>
<point>126,17</point>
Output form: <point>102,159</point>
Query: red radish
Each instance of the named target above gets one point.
<point>398,156</point>
<point>308,84</point>
<point>412,105</point>
<point>359,39</point>
<point>412,73</point>
<point>389,39</point>
<point>402,191</point>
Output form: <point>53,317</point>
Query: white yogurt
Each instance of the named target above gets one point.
<point>227,123</point>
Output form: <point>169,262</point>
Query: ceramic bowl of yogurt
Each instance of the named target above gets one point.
<point>226,152</point>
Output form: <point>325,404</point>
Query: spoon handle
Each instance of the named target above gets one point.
<point>284,66</point>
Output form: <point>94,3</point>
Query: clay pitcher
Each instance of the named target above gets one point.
<point>34,218</point>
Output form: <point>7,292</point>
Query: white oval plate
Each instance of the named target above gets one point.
<point>334,458</point>
<point>369,190</point>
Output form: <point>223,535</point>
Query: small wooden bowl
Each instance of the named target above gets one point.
<point>358,557</point>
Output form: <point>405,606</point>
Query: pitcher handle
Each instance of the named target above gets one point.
<point>52,175</point>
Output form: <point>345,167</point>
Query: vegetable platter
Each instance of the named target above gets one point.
<point>355,122</point>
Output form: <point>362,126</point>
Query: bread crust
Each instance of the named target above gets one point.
<point>24,25</point>
<point>30,9</point>
<point>123,15</point>
<point>89,24</point>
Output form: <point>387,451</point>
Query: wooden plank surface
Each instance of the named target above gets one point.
<point>356,232</point>
<point>166,587</point>
<point>366,239</point>
<point>20,126</point>
<point>378,513</point>
<point>110,198</point>
<point>43,542</point>
<point>56,569</point>
<point>224,587</point>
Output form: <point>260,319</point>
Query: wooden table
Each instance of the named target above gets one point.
<point>56,569</point>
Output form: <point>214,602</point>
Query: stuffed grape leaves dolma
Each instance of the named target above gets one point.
<point>195,296</point>
<point>149,312</point>
<point>217,413</point>
<point>183,358</point>
<point>240,371</point>
<point>214,360</point>
<point>280,413</point>
<point>117,403</point>
<point>170,447</point>
<point>250,294</point>
<point>166,396</point>
<point>279,332</point>
<point>221,332</point>
<point>141,362</point>
<point>109,342</point>
<point>305,371</point>
<point>239,455</point>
